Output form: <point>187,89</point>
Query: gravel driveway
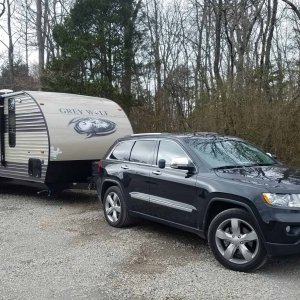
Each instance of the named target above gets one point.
<point>64,249</point>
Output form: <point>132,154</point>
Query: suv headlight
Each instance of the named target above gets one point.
<point>282,200</point>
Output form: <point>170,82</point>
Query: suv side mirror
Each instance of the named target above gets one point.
<point>162,163</point>
<point>182,163</point>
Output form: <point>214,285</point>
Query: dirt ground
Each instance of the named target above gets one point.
<point>63,249</point>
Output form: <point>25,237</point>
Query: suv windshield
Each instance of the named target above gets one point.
<point>229,153</point>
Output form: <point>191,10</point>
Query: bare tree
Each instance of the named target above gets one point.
<point>10,41</point>
<point>42,9</point>
<point>268,47</point>
<point>154,23</point>
<point>218,9</point>
<point>10,45</point>
<point>129,36</point>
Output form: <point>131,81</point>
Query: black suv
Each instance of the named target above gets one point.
<point>222,188</point>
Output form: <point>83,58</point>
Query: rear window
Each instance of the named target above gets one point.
<point>122,151</point>
<point>143,152</point>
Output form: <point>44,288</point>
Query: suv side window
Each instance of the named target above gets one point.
<point>169,150</point>
<point>143,151</point>
<point>122,151</point>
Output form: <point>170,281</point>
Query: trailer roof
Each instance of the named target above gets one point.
<point>53,96</point>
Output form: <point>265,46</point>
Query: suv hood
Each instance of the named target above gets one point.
<point>278,178</point>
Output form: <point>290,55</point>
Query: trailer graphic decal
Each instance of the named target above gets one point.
<point>92,126</point>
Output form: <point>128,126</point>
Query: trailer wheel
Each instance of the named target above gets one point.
<point>115,208</point>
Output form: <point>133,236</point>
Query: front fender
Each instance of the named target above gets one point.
<point>244,203</point>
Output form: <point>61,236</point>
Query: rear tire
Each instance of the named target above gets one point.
<point>235,242</point>
<point>115,208</point>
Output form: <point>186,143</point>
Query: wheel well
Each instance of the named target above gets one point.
<point>216,208</point>
<point>106,185</point>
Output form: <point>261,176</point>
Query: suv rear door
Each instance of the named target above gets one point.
<point>129,163</point>
<point>136,173</point>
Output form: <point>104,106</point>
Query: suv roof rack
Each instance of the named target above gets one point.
<point>150,133</point>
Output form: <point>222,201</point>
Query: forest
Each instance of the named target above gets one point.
<point>223,66</point>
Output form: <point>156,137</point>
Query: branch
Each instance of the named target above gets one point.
<point>293,7</point>
<point>2,10</point>
<point>4,44</point>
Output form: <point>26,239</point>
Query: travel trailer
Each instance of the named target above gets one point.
<point>53,139</point>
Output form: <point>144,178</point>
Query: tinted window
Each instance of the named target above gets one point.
<point>228,153</point>
<point>142,152</point>
<point>169,150</point>
<point>122,151</point>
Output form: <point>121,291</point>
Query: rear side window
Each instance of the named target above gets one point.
<point>122,151</point>
<point>143,152</point>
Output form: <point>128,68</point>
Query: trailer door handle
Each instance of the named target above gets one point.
<point>157,172</point>
<point>125,167</point>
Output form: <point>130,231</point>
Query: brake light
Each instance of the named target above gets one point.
<point>99,165</point>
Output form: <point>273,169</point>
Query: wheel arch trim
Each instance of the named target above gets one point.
<point>237,204</point>
<point>112,182</point>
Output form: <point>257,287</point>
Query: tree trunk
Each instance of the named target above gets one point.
<point>39,34</point>
<point>10,46</point>
<point>268,50</point>
<point>218,14</point>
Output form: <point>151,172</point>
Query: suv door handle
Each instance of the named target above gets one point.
<point>157,172</point>
<point>125,167</point>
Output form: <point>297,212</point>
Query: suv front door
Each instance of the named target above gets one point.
<point>173,194</point>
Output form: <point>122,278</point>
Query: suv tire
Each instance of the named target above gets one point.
<point>235,242</point>
<point>115,208</point>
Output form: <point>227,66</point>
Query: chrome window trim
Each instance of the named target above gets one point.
<point>150,165</point>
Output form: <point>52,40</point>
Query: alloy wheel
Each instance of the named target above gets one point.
<point>237,241</point>
<point>113,207</point>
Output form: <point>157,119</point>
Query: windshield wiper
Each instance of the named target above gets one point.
<point>242,166</point>
<point>262,165</point>
<point>230,167</point>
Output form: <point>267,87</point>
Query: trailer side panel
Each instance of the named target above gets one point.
<point>26,143</point>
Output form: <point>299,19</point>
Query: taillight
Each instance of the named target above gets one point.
<point>99,166</point>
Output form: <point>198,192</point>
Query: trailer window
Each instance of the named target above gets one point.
<point>12,122</point>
